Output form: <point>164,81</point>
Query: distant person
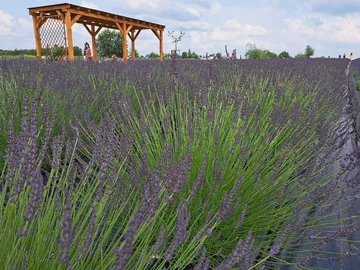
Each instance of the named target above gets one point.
<point>344,56</point>
<point>351,56</point>
<point>339,56</point>
<point>87,52</point>
<point>329,56</point>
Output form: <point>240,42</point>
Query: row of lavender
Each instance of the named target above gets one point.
<point>153,165</point>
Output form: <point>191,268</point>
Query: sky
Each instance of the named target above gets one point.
<point>331,27</point>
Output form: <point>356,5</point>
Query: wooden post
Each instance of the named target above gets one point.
<point>132,44</point>
<point>37,36</point>
<point>133,37</point>
<point>161,45</point>
<point>69,36</point>
<point>93,36</point>
<point>124,48</point>
<point>124,31</point>
<point>159,35</point>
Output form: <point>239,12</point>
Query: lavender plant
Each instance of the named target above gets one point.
<point>220,165</point>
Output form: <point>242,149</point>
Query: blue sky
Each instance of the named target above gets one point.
<point>330,27</point>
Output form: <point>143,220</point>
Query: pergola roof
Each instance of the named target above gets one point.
<point>94,17</point>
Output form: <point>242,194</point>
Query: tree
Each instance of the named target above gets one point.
<point>218,55</point>
<point>184,55</point>
<point>268,54</point>
<point>300,55</point>
<point>309,51</point>
<point>109,42</point>
<point>252,52</point>
<point>153,55</point>
<point>78,51</point>
<point>284,54</point>
<point>175,39</point>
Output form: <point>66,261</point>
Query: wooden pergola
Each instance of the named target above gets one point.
<point>93,20</point>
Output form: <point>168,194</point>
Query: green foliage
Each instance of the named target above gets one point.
<point>153,55</point>
<point>17,52</point>
<point>309,51</point>
<point>78,51</point>
<point>284,54</point>
<point>269,54</point>
<point>358,84</point>
<point>300,55</point>
<point>252,52</point>
<point>109,42</point>
<point>184,55</point>
<point>54,53</point>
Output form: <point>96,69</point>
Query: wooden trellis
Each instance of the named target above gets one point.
<point>53,38</point>
<point>65,15</point>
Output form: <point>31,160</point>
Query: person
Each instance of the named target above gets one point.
<point>344,56</point>
<point>87,52</point>
<point>351,56</point>
<point>339,56</point>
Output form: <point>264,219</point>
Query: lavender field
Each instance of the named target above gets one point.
<point>179,164</point>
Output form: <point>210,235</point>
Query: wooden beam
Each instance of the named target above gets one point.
<point>128,29</point>
<point>75,19</point>
<point>37,37</point>
<point>132,34</point>
<point>87,28</point>
<point>137,34</point>
<point>119,27</point>
<point>49,8</point>
<point>69,36</point>
<point>41,22</point>
<point>156,33</point>
<point>99,25</point>
<point>98,30</point>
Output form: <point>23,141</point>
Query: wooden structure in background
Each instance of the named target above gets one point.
<point>93,20</point>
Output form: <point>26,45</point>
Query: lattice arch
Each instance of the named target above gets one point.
<point>53,38</point>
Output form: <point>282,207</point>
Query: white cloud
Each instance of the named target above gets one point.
<point>245,29</point>
<point>339,29</point>
<point>194,11</point>
<point>6,23</point>
<point>89,5</point>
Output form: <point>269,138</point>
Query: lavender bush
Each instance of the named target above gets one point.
<point>174,164</point>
